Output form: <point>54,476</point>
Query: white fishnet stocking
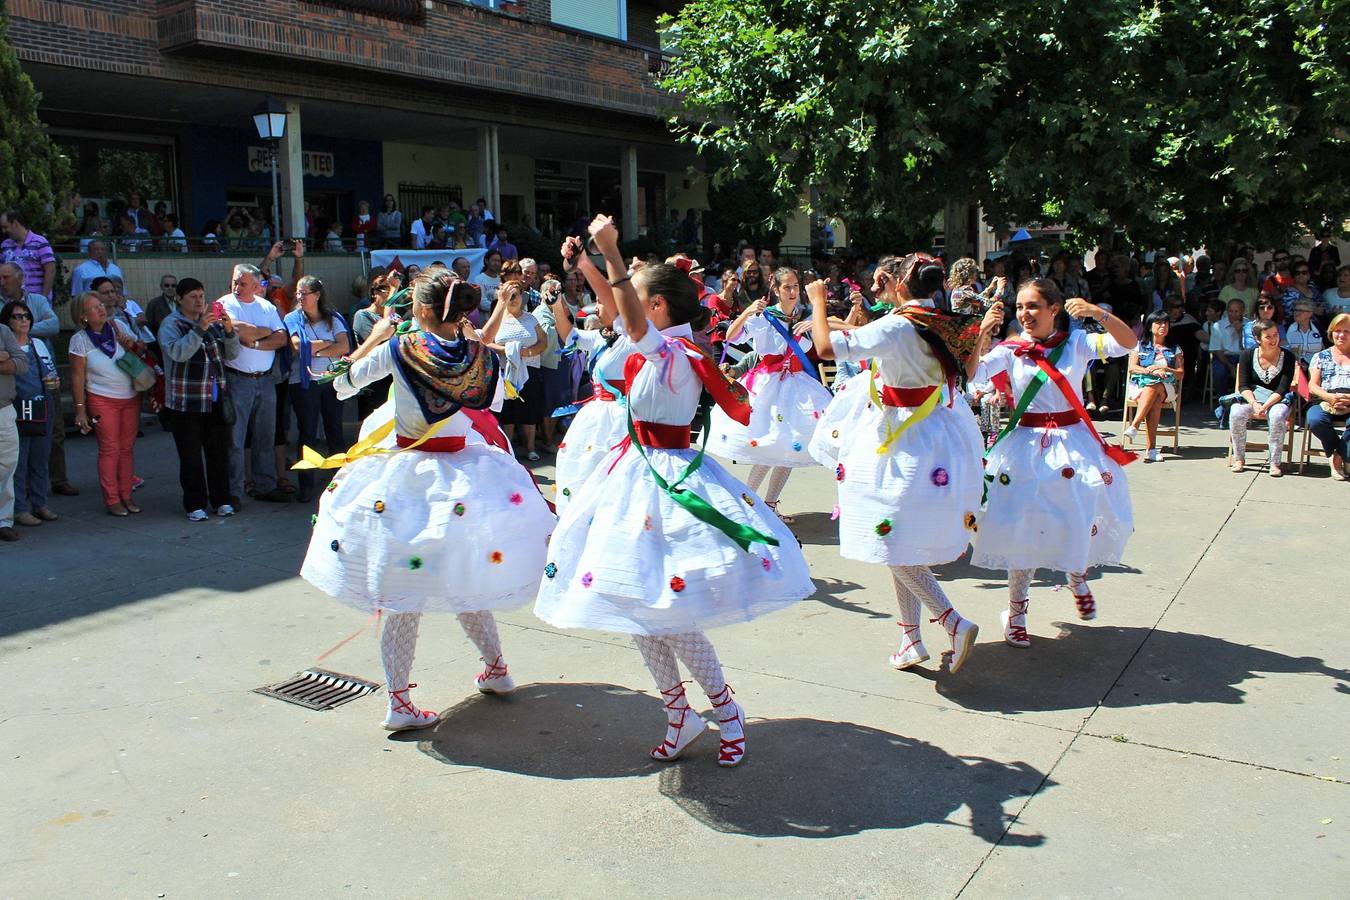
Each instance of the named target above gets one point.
<point>777,479</point>
<point>1079,584</point>
<point>481,628</point>
<point>756,478</point>
<point>398,644</point>
<point>920,583</point>
<point>1019,583</point>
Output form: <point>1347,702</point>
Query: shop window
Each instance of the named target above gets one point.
<point>108,168</point>
<point>606,17</point>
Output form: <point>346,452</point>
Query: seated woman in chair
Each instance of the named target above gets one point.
<point>1264,377</point>
<point>1330,384</point>
<point>1155,371</point>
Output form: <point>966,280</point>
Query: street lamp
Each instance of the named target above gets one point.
<point>270,120</point>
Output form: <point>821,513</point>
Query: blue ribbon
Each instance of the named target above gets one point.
<point>792,344</point>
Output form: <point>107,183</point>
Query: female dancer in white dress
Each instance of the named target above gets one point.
<point>672,544</point>
<point>602,421</point>
<point>907,461</point>
<point>786,399</point>
<point>447,522</point>
<point>1056,495</point>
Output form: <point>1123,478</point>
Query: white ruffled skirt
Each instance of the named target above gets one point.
<point>627,558</point>
<point>1056,501</point>
<point>917,503</point>
<point>418,531</point>
<point>784,409</point>
<point>597,428</point>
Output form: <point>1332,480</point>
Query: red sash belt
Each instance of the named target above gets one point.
<point>907,397</point>
<point>787,362</point>
<point>1061,419</point>
<point>599,393</point>
<point>662,437</point>
<point>434,445</point>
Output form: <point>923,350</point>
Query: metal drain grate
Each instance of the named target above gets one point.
<point>319,689</point>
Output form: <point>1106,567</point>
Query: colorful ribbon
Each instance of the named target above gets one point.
<point>920,412</point>
<point>792,344</point>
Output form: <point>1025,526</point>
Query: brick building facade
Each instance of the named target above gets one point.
<point>547,108</point>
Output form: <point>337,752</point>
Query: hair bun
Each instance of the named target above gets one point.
<point>930,276</point>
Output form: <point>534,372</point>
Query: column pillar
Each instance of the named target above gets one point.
<point>489,169</point>
<point>628,191</point>
<point>290,162</point>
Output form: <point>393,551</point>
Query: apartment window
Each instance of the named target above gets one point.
<point>606,17</point>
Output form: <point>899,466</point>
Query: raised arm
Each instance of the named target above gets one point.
<point>626,299</point>
<point>819,296</point>
<point>753,309</point>
<point>992,321</point>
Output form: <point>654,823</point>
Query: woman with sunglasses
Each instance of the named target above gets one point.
<point>318,339</point>
<point>1241,285</point>
<point>38,389</point>
<point>1268,309</point>
<point>1302,289</point>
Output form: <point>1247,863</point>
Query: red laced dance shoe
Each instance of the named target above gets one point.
<point>732,750</point>
<point>495,679</point>
<point>683,727</point>
<point>1014,620</point>
<point>962,632</point>
<point>912,651</point>
<point>404,715</point>
<point>1087,607</point>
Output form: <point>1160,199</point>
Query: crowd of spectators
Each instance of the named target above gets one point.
<point>227,373</point>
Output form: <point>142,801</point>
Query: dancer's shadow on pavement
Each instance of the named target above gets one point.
<point>961,569</point>
<point>1172,668</point>
<point>802,777</point>
<point>816,528</point>
<point>831,591</point>
<point>813,778</point>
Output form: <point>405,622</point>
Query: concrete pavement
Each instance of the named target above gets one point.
<point>1190,742</point>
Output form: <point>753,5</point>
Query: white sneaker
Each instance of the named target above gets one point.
<point>225,511</point>
<point>197,515</point>
<point>1154,455</point>
<point>1128,434</point>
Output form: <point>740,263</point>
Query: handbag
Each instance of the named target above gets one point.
<point>142,376</point>
<point>31,416</point>
<point>224,406</point>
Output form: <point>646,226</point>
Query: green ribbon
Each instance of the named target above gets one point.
<point>1027,396</point>
<point>742,535</point>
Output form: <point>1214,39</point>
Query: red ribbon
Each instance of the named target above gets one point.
<point>731,397</point>
<point>902,398</point>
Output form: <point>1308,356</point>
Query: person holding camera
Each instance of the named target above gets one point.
<point>1056,492</point>
<point>907,464</point>
<point>196,342</point>
<point>445,521</point>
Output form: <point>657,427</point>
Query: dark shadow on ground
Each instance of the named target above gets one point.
<point>815,528</point>
<point>802,777</point>
<point>830,591</point>
<point>819,779</point>
<point>961,569</point>
<point>1173,667</point>
<point>562,731</point>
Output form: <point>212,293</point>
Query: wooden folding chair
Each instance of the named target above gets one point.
<point>1174,432</point>
<point>1308,449</point>
<point>1265,445</point>
<point>828,370</point>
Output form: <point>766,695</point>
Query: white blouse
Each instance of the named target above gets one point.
<point>665,391</point>
<point>101,375</point>
<point>522,331</point>
<point>608,360</point>
<point>766,339</point>
<point>1080,350</point>
<point>903,358</point>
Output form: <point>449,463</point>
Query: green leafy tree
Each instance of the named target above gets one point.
<point>1184,122</point>
<point>34,175</point>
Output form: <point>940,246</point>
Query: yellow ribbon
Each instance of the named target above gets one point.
<point>920,412</point>
<point>312,459</point>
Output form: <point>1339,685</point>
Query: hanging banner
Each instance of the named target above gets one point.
<point>315,164</point>
<point>401,259</point>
